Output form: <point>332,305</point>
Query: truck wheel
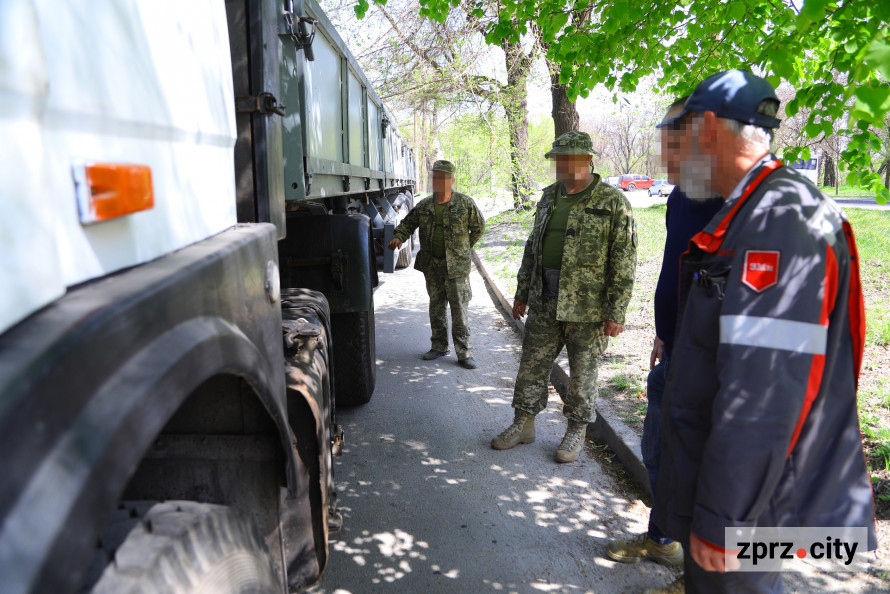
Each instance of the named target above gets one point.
<point>632,187</point>
<point>183,546</point>
<point>355,357</point>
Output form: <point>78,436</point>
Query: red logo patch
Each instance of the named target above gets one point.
<point>761,269</point>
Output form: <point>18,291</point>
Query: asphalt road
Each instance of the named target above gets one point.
<point>429,507</point>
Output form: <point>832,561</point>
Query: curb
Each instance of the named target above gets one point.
<point>608,426</point>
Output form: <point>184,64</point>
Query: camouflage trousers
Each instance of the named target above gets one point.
<point>443,291</point>
<point>544,338</point>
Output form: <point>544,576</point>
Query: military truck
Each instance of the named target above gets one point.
<point>194,199</point>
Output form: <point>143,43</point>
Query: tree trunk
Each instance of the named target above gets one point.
<point>887,164</point>
<point>418,148</point>
<point>565,115</point>
<point>429,125</point>
<point>514,99</point>
<point>828,178</point>
<point>837,178</point>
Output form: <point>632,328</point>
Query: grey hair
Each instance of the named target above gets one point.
<point>755,136</point>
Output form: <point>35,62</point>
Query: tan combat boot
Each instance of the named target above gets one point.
<point>572,443</point>
<point>641,547</point>
<point>678,586</point>
<point>521,431</point>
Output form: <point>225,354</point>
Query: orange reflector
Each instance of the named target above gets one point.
<point>107,191</point>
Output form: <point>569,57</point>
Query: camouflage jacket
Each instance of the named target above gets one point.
<point>599,258</point>
<point>464,225</point>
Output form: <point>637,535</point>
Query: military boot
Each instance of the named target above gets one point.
<point>641,547</point>
<point>521,431</point>
<point>572,443</point>
<point>678,586</point>
<point>434,354</point>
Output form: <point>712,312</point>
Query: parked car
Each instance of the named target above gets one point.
<point>634,182</point>
<point>660,187</point>
<point>612,180</point>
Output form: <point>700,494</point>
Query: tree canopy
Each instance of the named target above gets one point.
<point>836,55</point>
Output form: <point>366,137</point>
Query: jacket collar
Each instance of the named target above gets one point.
<point>711,238</point>
<point>558,189</point>
<point>430,201</point>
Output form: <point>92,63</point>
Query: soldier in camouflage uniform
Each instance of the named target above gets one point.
<point>576,276</point>
<point>450,224</point>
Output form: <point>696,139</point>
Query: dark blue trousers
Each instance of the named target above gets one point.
<point>650,444</point>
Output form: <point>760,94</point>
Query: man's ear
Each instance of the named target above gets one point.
<point>710,132</point>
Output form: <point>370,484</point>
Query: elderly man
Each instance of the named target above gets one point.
<point>576,276</point>
<point>450,224</point>
<point>760,402</point>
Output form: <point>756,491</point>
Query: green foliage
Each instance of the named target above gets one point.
<point>836,54</point>
<point>846,190</point>
<point>877,326</point>
<point>626,382</point>
<point>650,232</point>
<point>479,145</point>
<point>525,217</point>
<point>872,230</point>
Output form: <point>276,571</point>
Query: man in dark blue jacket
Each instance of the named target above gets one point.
<point>760,423</point>
<point>683,219</point>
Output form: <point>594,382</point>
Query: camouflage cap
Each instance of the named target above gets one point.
<point>572,143</point>
<point>443,165</point>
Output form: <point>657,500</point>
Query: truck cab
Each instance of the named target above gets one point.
<point>190,275</point>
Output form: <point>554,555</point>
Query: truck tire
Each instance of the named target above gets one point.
<point>631,187</point>
<point>182,546</point>
<point>355,357</point>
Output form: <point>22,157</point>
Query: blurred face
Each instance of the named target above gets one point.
<point>571,169</point>
<point>687,165</point>
<point>442,182</point>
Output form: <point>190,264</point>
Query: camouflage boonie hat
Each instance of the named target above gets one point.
<point>443,165</point>
<point>572,143</point>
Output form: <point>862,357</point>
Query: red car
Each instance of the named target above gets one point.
<point>634,182</point>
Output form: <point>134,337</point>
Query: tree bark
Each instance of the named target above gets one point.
<point>565,115</point>
<point>514,99</point>
<point>886,164</point>
<point>828,178</point>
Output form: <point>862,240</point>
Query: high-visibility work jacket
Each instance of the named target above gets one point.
<point>759,421</point>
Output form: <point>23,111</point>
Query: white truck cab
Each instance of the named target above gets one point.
<point>110,84</point>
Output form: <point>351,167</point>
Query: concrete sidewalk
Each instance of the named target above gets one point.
<point>429,506</point>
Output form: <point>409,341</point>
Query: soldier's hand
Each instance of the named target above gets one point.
<point>395,243</point>
<point>657,352</point>
<point>518,309</point>
<point>612,329</point>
